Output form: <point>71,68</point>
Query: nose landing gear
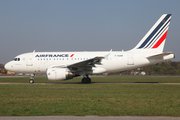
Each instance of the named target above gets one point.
<point>32,78</point>
<point>31,81</point>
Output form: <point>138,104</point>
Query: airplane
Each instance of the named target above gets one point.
<point>66,65</point>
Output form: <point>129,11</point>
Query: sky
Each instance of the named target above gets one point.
<point>82,25</point>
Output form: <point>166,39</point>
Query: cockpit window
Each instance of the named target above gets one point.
<point>16,59</point>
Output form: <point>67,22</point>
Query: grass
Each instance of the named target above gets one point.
<point>91,99</point>
<point>96,80</point>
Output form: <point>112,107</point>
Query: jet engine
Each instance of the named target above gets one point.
<point>59,74</point>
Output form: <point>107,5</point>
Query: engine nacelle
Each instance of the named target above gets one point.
<point>58,74</point>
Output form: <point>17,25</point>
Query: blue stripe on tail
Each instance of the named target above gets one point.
<point>157,34</point>
<point>154,32</point>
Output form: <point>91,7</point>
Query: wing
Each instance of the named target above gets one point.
<point>87,63</point>
<point>90,62</point>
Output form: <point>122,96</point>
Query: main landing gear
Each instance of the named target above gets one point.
<point>32,78</point>
<point>86,80</point>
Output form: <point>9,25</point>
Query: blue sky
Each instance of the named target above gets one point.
<point>82,25</point>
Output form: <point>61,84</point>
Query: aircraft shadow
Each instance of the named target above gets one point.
<point>104,83</point>
<point>146,82</point>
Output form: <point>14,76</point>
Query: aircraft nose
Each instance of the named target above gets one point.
<point>7,66</point>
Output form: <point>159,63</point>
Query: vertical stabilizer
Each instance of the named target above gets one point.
<point>155,38</point>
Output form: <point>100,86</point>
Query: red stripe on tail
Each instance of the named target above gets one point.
<point>160,40</point>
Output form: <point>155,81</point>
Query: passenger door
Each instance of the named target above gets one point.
<point>29,61</point>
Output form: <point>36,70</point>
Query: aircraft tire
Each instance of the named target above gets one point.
<point>86,80</point>
<point>31,81</point>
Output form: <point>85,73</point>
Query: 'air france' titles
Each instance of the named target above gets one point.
<point>52,55</point>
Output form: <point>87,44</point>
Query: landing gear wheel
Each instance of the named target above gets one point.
<point>32,78</point>
<point>31,81</point>
<point>86,80</point>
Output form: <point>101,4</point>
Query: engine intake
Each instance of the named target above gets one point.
<point>59,74</point>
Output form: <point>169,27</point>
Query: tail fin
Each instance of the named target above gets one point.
<point>156,36</point>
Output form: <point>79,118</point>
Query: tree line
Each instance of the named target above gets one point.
<point>164,68</point>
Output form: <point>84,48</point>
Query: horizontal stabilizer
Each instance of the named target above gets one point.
<point>159,55</point>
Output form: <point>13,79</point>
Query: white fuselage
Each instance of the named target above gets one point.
<point>39,62</point>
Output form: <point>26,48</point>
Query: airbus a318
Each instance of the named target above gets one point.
<point>66,65</point>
